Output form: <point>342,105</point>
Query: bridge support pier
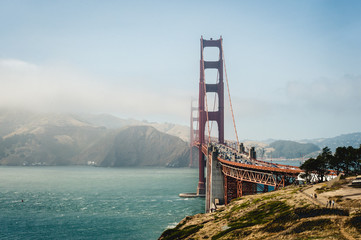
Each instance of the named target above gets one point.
<point>234,188</point>
<point>239,188</point>
<point>215,182</point>
<point>201,183</point>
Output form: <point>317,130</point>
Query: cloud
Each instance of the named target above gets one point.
<point>63,89</point>
<point>16,65</point>
<point>325,107</point>
<point>326,95</point>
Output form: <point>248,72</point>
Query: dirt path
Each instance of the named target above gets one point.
<point>310,194</point>
<point>322,200</point>
<point>283,234</point>
<point>344,233</point>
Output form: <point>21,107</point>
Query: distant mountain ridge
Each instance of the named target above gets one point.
<point>112,122</point>
<point>291,149</point>
<point>137,146</point>
<point>28,138</point>
<point>304,148</point>
<point>14,121</point>
<point>343,140</point>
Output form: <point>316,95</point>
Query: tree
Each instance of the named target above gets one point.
<point>337,163</point>
<point>323,163</point>
<point>350,160</point>
<point>354,160</point>
<point>319,165</point>
<point>308,167</point>
<point>347,160</point>
<point>358,161</point>
<point>326,152</point>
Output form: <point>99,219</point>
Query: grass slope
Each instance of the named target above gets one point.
<point>284,214</point>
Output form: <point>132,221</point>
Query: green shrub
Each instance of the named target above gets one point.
<point>176,233</point>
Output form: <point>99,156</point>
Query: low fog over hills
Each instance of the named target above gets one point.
<point>112,122</point>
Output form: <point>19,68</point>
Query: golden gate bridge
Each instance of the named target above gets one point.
<point>232,171</point>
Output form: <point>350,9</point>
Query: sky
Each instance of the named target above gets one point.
<point>293,67</point>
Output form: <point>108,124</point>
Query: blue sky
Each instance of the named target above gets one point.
<point>293,66</point>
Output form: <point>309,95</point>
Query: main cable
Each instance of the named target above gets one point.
<point>229,95</point>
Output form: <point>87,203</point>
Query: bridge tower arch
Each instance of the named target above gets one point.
<point>203,114</point>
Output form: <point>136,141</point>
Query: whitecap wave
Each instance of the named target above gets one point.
<point>172,225</point>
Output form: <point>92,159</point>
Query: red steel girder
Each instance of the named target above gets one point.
<point>250,175</point>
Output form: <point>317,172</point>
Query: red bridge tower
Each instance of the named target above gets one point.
<point>203,114</point>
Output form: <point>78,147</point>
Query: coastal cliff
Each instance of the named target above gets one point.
<point>290,213</point>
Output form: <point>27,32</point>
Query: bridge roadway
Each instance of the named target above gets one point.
<point>232,174</point>
<point>230,157</point>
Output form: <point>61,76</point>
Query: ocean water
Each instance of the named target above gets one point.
<point>94,203</point>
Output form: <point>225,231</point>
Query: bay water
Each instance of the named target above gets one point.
<point>94,203</point>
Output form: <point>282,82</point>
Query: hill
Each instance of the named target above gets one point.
<point>285,214</point>
<point>35,138</point>
<point>272,148</point>
<point>38,139</point>
<point>28,138</point>
<point>291,149</point>
<point>137,146</point>
<point>112,122</point>
<point>344,140</point>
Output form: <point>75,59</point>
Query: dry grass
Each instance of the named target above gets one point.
<point>285,214</point>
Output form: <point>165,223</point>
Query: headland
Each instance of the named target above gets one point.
<point>294,212</point>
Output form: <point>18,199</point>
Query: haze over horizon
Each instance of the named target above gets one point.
<point>293,67</point>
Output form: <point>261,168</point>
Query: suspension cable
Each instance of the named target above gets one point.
<point>229,95</point>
